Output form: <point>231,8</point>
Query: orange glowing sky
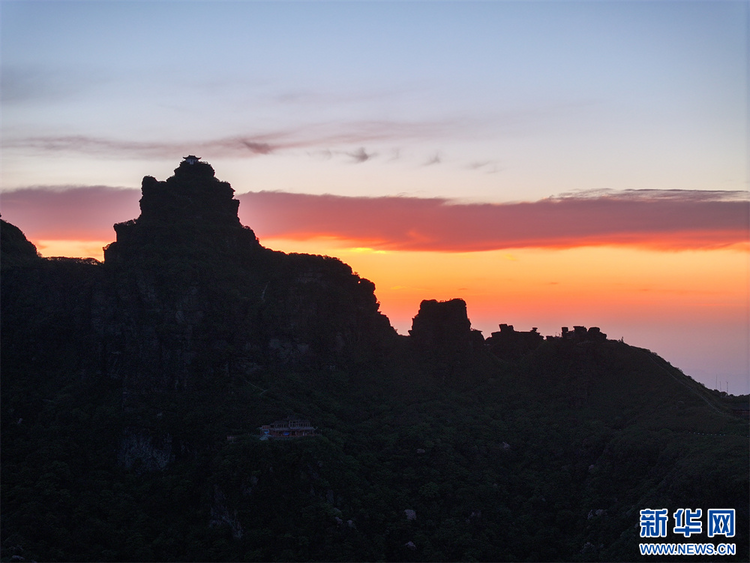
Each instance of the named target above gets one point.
<point>582,284</point>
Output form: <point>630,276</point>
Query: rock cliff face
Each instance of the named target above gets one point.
<point>441,333</point>
<point>187,294</point>
<point>48,309</point>
<point>442,325</point>
<point>15,248</point>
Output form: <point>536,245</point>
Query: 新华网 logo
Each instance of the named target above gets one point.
<point>687,521</point>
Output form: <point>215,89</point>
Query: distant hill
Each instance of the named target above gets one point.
<point>133,392</point>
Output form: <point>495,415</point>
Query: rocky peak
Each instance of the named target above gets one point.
<point>441,332</point>
<point>193,195</point>
<point>189,211</point>
<point>442,327</point>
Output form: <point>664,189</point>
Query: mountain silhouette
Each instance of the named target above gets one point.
<point>191,213</point>
<point>134,391</point>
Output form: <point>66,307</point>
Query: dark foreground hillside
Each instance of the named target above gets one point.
<point>133,392</point>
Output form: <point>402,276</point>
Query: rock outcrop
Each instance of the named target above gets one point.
<point>186,299</point>
<point>582,334</point>
<point>196,295</point>
<point>441,333</point>
<point>14,246</point>
<point>442,327</point>
<point>510,344</point>
<point>192,215</point>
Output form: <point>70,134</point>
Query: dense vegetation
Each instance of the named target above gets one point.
<point>513,469</point>
<point>132,393</point>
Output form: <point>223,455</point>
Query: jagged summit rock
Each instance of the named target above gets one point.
<point>510,344</point>
<point>193,194</point>
<point>190,213</point>
<point>441,333</point>
<point>189,295</point>
<point>442,324</point>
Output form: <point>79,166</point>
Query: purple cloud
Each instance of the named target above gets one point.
<point>674,219</point>
<point>69,213</point>
<point>663,219</point>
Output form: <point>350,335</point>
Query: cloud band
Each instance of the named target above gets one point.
<point>673,219</point>
<point>661,219</point>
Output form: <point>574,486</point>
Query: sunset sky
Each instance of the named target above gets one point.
<point>552,163</point>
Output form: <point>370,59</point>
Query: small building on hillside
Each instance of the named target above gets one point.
<point>191,159</point>
<point>290,427</point>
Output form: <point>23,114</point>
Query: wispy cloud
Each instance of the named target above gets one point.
<point>434,159</point>
<point>348,137</point>
<point>646,195</point>
<point>361,155</point>
<point>349,141</point>
<point>486,166</point>
<point>659,219</point>
<point>257,148</point>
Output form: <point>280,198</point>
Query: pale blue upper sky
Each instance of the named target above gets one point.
<point>492,101</point>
